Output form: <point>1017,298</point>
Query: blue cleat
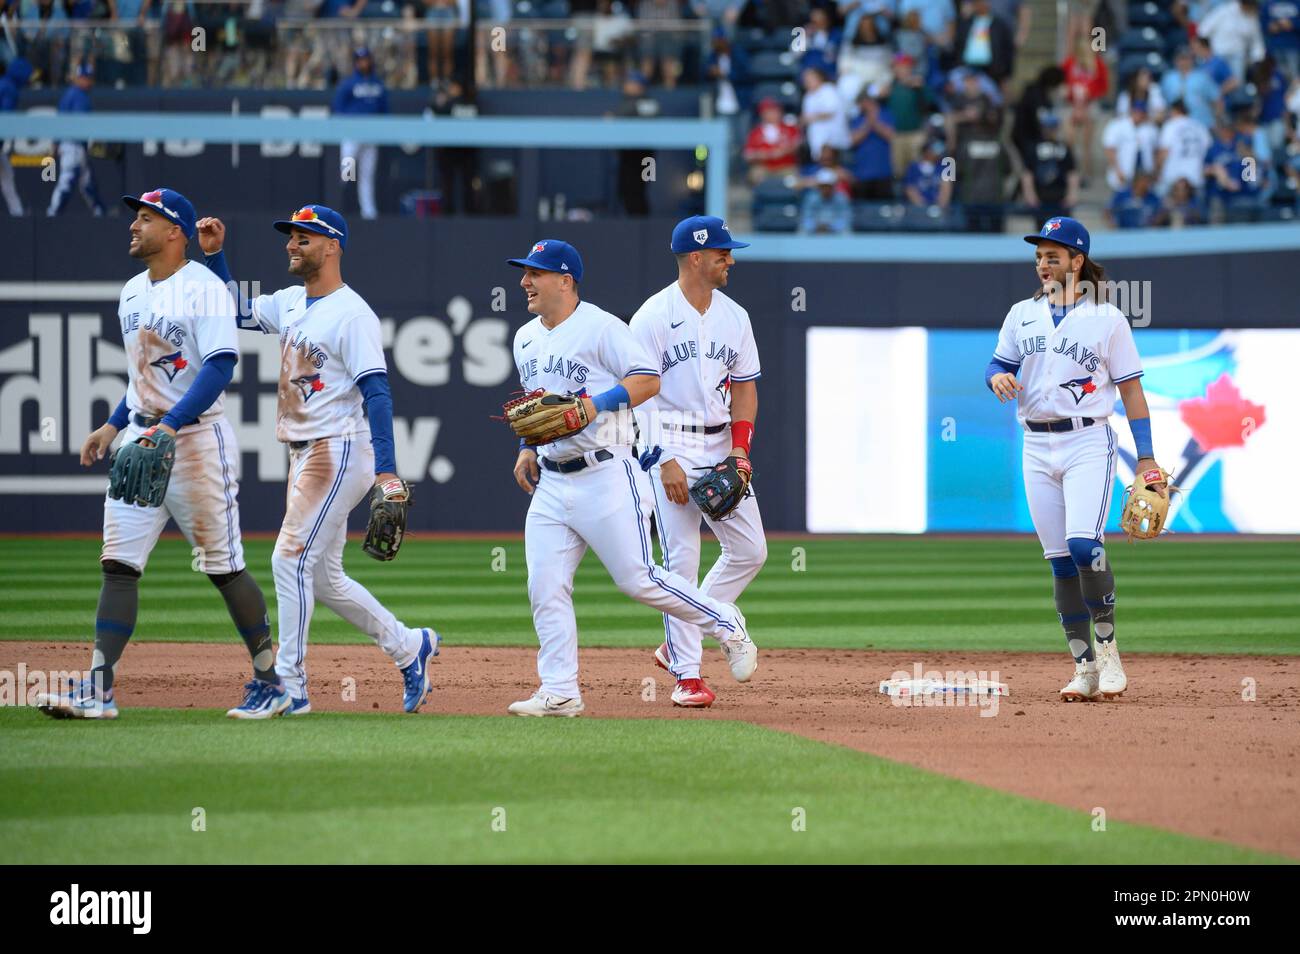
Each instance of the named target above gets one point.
<point>301,706</point>
<point>262,700</point>
<point>415,677</point>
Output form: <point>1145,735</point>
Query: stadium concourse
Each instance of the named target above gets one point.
<point>857,116</point>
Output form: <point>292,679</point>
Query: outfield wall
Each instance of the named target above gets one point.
<point>873,411</point>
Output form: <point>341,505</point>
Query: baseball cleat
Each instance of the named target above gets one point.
<point>1083,687</point>
<point>1111,679</point>
<point>79,702</point>
<point>661,658</point>
<point>741,653</point>
<point>545,704</point>
<point>300,705</point>
<point>415,677</point>
<point>262,700</point>
<point>693,694</point>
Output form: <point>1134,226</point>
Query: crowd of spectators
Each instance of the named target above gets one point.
<point>843,111</point>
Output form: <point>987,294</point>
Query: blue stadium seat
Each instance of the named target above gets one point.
<point>1148,14</point>
<point>878,216</point>
<point>772,66</point>
<point>1130,63</point>
<point>774,191</point>
<point>788,94</point>
<point>1141,40</point>
<point>555,9</point>
<point>756,39</point>
<point>527,10</point>
<point>382,10</point>
<point>777,218</point>
<point>932,219</point>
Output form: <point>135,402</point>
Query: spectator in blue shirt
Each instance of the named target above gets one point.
<point>361,94</point>
<point>823,43</point>
<point>1181,207</point>
<point>73,162</point>
<point>1135,207</point>
<point>1280,20</point>
<point>870,135</point>
<point>1216,67</point>
<point>1195,87</point>
<point>1271,85</point>
<point>15,77</point>
<point>1230,178</point>
<point>924,183</point>
<point>825,210</point>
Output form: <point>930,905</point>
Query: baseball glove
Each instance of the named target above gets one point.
<point>721,490</point>
<point>142,469</point>
<point>540,417</point>
<point>387,526</point>
<point>1145,511</point>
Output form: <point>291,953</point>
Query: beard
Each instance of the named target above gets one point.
<point>306,270</point>
<point>143,248</point>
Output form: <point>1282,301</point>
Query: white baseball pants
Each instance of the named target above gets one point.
<point>607,507</point>
<point>327,478</point>
<point>744,548</point>
<point>363,160</point>
<point>1069,478</point>
<point>202,497</point>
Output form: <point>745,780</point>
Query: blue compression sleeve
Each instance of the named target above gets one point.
<point>218,266</point>
<point>1141,428</point>
<point>379,411</point>
<point>207,387</point>
<point>121,416</point>
<point>612,399</point>
<point>997,366</point>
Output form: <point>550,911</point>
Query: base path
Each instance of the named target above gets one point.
<point>1186,748</point>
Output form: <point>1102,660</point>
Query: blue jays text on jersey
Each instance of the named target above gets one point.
<point>300,343</point>
<point>575,371</point>
<point>159,325</point>
<point>686,350</point>
<point>1088,359</point>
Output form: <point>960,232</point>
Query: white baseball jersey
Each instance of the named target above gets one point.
<point>325,348</point>
<point>1069,370</point>
<point>169,329</point>
<point>1186,141</point>
<point>589,352</point>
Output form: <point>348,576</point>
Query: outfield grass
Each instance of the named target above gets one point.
<point>388,788</point>
<point>1184,596</point>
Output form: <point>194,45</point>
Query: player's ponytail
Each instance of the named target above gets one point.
<point>1093,279</point>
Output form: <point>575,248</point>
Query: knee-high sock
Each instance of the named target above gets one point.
<point>247,608</point>
<point>1098,587</point>
<point>119,604</point>
<point>1071,608</point>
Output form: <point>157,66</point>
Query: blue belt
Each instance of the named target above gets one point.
<point>1056,427</point>
<point>574,465</point>
<point>711,429</point>
<point>142,421</point>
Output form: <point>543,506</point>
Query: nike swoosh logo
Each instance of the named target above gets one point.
<point>525,344</point>
<point>680,323</point>
<point>129,297</point>
<point>1029,322</point>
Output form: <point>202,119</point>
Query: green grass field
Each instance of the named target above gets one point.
<point>378,788</point>
<point>909,593</point>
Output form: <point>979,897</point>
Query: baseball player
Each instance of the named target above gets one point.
<point>1062,355</point>
<point>335,412</point>
<point>75,170</point>
<point>361,94</point>
<point>12,81</point>
<point>587,489</point>
<point>177,322</point>
<point>704,412</point>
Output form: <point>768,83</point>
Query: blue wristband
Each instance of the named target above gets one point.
<point>121,415</point>
<point>612,399</point>
<point>1141,428</point>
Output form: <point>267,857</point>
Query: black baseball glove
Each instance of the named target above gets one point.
<point>387,527</point>
<point>723,487</point>
<point>143,468</point>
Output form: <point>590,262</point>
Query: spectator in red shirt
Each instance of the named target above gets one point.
<point>772,146</point>
<point>1086,82</point>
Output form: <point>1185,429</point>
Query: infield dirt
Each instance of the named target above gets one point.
<point>1205,745</point>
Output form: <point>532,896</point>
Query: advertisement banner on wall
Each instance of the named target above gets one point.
<point>907,412</point>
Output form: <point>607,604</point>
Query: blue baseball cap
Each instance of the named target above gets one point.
<point>85,69</point>
<point>362,53</point>
<point>700,232</point>
<point>168,203</point>
<point>1063,231</point>
<point>552,255</point>
<point>316,218</point>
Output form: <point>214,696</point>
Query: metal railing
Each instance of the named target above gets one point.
<point>239,53</point>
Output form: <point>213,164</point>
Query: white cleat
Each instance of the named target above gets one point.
<point>81,701</point>
<point>1083,687</point>
<point>545,704</point>
<point>741,653</point>
<point>1111,679</point>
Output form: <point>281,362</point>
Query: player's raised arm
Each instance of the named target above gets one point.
<point>212,239</point>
